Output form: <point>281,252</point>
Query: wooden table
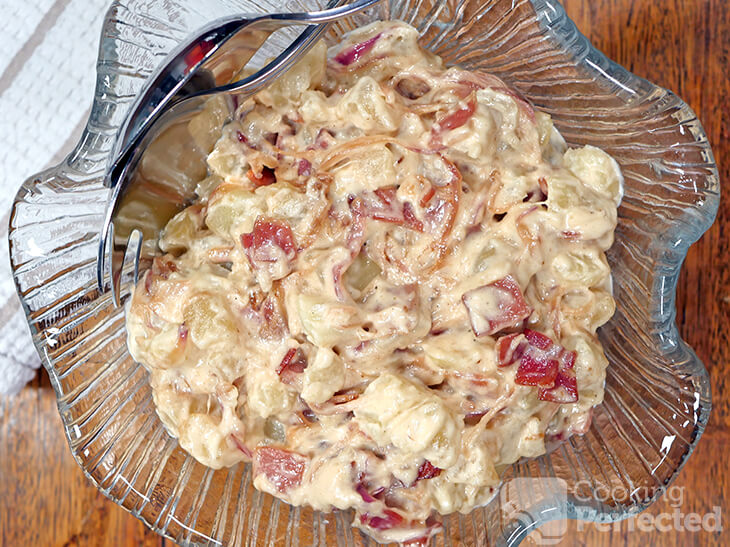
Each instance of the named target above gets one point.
<point>683,45</point>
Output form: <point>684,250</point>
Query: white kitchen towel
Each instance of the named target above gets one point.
<point>48,50</point>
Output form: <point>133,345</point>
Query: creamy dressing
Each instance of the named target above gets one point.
<point>388,289</point>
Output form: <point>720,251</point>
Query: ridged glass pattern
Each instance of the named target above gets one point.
<point>657,398</point>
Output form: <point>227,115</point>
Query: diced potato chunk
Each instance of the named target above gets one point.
<point>395,411</point>
<point>208,321</point>
<point>206,126</point>
<point>366,171</point>
<point>324,376</point>
<point>267,396</point>
<point>597,170</point>
<point>324,322</point>
<point>585,266</point>
<point>366,107</point>
<point>234,211</point>
<point>306,74</point>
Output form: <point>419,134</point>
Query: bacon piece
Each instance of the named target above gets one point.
<point>510,348</point>
<point>427,471</point>
<point>538,339</point>
<point>542,363</point>
<point>452,120</point>
<point>284,469</point>
<point>565,389</point>
<point>458,117</point>
<point>354,53</point>
<point>268,234</point>
<point>539,372</point>
<point>495,306</point>
<point>304,168</point>
<point>266,177</point>
<point>293,362</point>
<point>389,519</point>
<point>410,220</point>
<point>386,207</point>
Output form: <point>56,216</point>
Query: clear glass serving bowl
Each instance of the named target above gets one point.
<point>657,398</point>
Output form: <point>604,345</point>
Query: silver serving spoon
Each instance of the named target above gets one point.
<point>193,72</point>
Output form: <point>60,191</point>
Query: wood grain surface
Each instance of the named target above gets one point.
<point>683,45</point>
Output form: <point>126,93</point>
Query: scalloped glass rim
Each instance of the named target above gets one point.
<point>671,177</point>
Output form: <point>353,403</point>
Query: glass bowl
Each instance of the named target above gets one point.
<point>657,399</point>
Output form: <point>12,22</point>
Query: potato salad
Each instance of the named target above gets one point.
<point>387,289</point>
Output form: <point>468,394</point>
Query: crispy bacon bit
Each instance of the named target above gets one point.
<point>452,120</point>
<point>542,363</point>
<point>304,168</point>
<point>536,372</point>
<point>182,333</point>
<point>267,236</point>
<point>538,339</point>
<point>293,361</point>
<point>389,519</point>
<point>282,468</point>
<point>266,178</point>
<point>354,53</point>
<point>458,117</point>
<point>495,306</point>
<point>241,137</point>
<point>566,385</point>
<point>427,471</point>
<point>410,220</point>
<point>510,348</point>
